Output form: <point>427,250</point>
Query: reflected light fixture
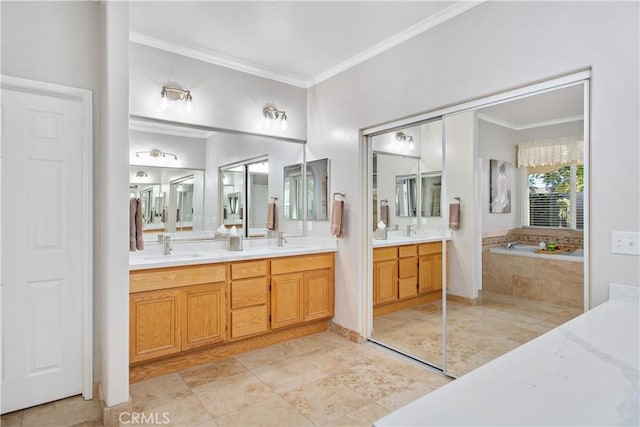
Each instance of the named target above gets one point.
<point>155,153</point>
<point>271,114</point>
<point>142,174</point>
<point>405,139</point>
<point>175,94</point>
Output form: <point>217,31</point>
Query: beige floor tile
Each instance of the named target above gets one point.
<point>363,417</point>
<point>325,400</point>
<point>373,380</point>
<point>65,412</point>
<point>277,413</point>
<point>203,374</point>
<point>287,374</point>
<point>181,409</point>
<point>12,419</point>
<point>233,393</point>
<point>335,359</point>
<point>158,388</point>
<point>278,352</point>
<point>397,400</point>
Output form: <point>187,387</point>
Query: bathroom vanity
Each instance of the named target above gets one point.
<point>406,272</point>
<point>205,303</point>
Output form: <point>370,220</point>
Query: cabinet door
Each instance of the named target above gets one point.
<point>204,315</point>
<point>385,281</point>
<point>286,299</point>
<point>318,294</point>
<point>430,273</point>
<point>154,324</point>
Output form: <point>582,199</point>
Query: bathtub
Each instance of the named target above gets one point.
<point>529,251</point>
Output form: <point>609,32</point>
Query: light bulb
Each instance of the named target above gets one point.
<point>189,107</point>
<point>411,145</point>
<point>164,103</point>
<point>267,121</point>
<point>283,123</point>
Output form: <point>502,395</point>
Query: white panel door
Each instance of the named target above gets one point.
<point>42,206</point>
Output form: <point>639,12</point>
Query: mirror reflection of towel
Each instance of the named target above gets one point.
<point>384,214</point>
<point>337,218</point>
<point>454,216</point>
<point>136,240</point>
<point>271,216</point>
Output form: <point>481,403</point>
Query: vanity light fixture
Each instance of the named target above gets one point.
<point>172,93</point>
<point>155,153</point>
<point>406,139</point>
<point>271,114</point>
<point>141,174</point>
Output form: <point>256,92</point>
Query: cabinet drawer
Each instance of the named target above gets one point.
<point>248,292</point>
<point>407,251</point>
<point>430,248</point>
<point>407,287</point>
<point>165,278</point>
<point>301,263</point>
<point>383,254</point>
<point>242,270</point>
<point>408,267</point>
<point>248,321</point>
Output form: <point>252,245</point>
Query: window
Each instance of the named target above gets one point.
<point>555,197</point>
<point>553,182</point>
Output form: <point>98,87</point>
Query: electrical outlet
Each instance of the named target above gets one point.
<point>625,242</point>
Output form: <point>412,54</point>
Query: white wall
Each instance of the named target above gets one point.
<point>499,143</point>
<point>224,149</point>
<point>190,151</point>
<point>491,48</point>
<point>460,181</point>
<point>222,98</point>
<point>68,43</point>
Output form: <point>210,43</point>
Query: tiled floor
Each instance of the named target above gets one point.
<point>476,334</point>
<point>322,380</point>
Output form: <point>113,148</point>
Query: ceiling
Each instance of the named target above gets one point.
<point>299,43</point>
<point>555,106</point>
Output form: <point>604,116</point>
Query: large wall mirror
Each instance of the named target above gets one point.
<point>317,190</point>
<point>192,180</point>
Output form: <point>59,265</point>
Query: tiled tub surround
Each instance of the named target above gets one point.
<point>549,279</point>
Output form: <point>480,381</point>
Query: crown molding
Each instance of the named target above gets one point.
<point>237,64</point>
<point>216,58</point>
<point>509,125</point>
<point>152,127</point>
<point>412,31</point>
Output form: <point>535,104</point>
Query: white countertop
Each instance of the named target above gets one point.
<point>396,238</point>
<point>582,373</point>
<point>205,252</point>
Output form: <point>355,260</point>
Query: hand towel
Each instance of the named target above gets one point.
<point>337,218</point>
<point>271,216</point>
<point>384,214</point>
<point>132,224</point>
<point>454,216</point>
<point>139,238</point>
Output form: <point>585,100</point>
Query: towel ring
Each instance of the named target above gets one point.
<point>338,193</point>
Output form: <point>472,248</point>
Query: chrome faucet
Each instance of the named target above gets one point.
<point>166,242</point>
<point>511,245</point>
<point>409,230</point>
<point>281,239</point>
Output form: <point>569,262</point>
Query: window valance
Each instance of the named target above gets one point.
<point>551,152</point>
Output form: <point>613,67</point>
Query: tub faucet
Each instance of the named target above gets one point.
<point>512,245</point>
<point>281,239</point>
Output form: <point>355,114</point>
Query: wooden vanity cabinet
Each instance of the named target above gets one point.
<point>385,275</point>
<point>302,289</point>
<point>176,309</point>
<point>430,267</point>
<point>248,309</point>
<point>407,271</point>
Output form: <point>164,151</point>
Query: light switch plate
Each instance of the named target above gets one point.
<point>625,242</point>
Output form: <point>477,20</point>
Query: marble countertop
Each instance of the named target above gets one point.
<point>206,252</point>
<point>584,372</point>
